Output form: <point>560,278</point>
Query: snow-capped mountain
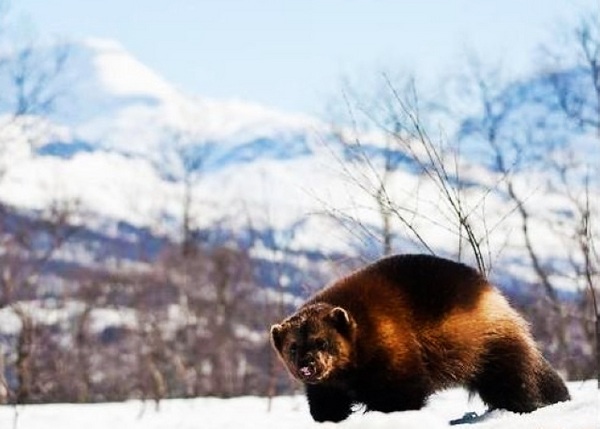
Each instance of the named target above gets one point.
<point>122,138</point>
<point>123,143</point>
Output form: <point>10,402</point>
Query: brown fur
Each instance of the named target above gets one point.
<point>404,327</point>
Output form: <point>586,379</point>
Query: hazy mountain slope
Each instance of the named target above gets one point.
<point>122,142</point>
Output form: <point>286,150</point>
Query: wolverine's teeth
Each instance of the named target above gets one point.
<point>306,371</point>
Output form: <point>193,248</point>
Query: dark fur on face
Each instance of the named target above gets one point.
<point>315,343</point>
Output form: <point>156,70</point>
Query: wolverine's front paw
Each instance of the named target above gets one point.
<point>328,405</point>
<point>334,416</point>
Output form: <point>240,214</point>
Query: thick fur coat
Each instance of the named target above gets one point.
<point>394,332</point>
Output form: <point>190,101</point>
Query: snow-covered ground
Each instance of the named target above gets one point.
<point>583,412</point>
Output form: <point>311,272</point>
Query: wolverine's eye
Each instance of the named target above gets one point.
<point>293,349</point>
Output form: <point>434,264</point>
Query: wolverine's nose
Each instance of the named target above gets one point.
<point>307,360</point>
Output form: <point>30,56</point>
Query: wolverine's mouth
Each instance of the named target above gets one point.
<point>306,371</point>
<point>310,374</point>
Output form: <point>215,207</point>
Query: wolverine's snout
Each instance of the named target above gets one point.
<point>310,370</point>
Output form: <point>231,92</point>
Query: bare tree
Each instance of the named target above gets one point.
<point>29,241</point>
<point>435,165</point>
<point>573,69</point>
<point>574,74</point>
<point>520,148</point>
<point>519,144</point>
<point>184,157</point>
<point>29,245</point>
<point>211,353</point>
<point>30,78</point>
<point>373,178</point>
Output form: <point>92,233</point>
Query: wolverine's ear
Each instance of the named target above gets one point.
<point>341,320</point>
<point>277,336</point>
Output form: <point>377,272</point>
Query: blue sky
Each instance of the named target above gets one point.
<point>293,54</point>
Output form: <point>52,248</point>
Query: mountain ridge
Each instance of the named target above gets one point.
<point>127,154</point>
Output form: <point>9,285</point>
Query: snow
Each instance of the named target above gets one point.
<point>123,74</point>
<point>124,105</point>
<point>582,412</point>
<point>41,313</point>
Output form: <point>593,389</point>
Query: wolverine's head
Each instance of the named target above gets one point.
<point>316,342</point>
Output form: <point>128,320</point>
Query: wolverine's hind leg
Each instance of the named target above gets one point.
<point>508,377</point>
<point>551,386</point>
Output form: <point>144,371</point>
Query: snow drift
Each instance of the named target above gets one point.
<point>582,412</point>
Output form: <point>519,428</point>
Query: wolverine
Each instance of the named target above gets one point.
<point>392,333</point>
